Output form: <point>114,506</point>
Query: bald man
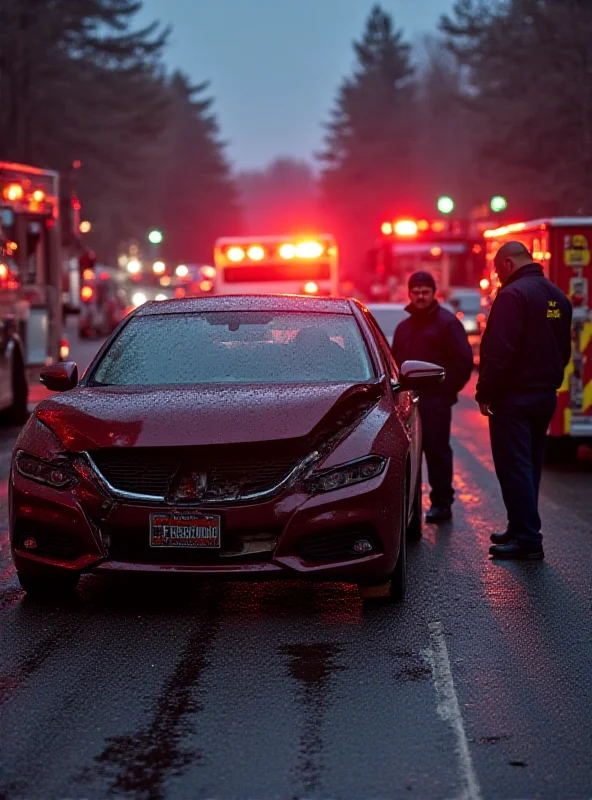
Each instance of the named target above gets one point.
<point>524,351</point>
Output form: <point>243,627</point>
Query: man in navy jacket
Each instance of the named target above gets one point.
<point>431,333</point>
<point>524,351</point>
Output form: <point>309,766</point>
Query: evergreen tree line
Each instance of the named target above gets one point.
<point>80,82</point>
<point>499,103</point>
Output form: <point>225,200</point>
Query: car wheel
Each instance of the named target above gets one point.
<point>399,576</point>
<point>414,528</point>
<point>393,590</point>
<point>19,411</point>
<point>48,585</point>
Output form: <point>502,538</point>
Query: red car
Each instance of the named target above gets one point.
<point>259,436</point>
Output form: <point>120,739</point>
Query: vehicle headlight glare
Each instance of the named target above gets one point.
<point>139,299</point>
<point>354,472</point>
<point>59,475</point>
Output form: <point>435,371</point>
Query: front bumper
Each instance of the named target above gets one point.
<point>84,529</point>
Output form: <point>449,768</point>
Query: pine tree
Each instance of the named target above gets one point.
<point>369,139</point>
<point>77,82</point>
<point>530,69</point>
<point>282,198</point>
<point>198,199</point>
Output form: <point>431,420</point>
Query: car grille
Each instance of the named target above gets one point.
<point>230,472</point>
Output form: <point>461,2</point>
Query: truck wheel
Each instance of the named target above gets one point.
<point>19,410</point>
<point>561,449</point>
<point>48,586</point>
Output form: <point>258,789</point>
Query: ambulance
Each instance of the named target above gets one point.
<point>562,246</point>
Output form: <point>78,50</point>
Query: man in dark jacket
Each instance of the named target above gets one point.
<point>431,333</point>
<point>524,351</point>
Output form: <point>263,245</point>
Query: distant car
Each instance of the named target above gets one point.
<point>388,316</point>
<point>466,304</point>
<point>238,436</point>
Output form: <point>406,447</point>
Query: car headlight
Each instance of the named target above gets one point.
<point>58,474</point>
<point>470,325</point>
<point>355,472</point>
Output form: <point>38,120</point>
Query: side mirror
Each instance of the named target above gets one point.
<point>60,377</point>
<point>418,375</point>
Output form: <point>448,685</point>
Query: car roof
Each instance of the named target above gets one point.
<point>387,306</point>
<point>251,302</point>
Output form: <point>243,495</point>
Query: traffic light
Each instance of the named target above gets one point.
<point>155,236</point>
<point>445,205</point>
<point>498,203</point>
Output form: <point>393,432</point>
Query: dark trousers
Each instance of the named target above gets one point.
<point>436,418</point>
<point>518,430</point>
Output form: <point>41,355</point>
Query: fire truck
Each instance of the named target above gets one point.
<point>30,278</point>
<point>562,246</point>
<point>452,250</point>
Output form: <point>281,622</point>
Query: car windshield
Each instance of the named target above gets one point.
<point>388,319</point>
<point>236,347</point>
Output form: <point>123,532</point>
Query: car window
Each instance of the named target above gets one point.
<point>236,347</point>
<point>388,319</point>
<point>382,343</point>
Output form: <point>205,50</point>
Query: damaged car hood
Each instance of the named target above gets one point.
<point>99,417</point>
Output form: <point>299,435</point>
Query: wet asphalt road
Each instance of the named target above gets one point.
<point>479,686</point>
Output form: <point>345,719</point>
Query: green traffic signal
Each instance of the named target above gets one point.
<point>498,203</point>
<point>155,237</point>
<point>445,205</point>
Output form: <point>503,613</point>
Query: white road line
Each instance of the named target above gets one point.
<point>449,709</point>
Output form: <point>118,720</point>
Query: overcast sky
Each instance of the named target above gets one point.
<point>275,65</point>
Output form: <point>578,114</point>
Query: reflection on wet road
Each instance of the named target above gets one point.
<point>167,688</point>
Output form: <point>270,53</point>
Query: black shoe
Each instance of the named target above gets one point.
<point>439,514</point>
<point>501,538</point>
<point>517,551</point>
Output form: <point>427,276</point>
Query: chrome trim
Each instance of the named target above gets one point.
<point>305,464</point>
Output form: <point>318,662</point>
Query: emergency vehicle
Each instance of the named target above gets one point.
<point>30,278</point>
<point>277,265</point>
<point>562,246</point>
<point>451,250</point>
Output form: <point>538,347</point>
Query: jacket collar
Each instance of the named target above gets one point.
<point>527,269</point>
<point>424,313</point>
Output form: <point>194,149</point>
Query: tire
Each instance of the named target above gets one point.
<point>399,576</point>
<point>19,410</point>
<point>414,527</point>
<point>48,586</point>
<point>393,589</point>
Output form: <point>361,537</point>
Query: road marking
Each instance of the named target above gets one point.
<point>449,709</point>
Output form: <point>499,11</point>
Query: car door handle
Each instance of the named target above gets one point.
<point>415,400</point>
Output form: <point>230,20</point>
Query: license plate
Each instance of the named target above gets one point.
<point>177,529</point>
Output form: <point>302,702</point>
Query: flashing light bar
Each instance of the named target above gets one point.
<point>13,192</point>
<point>305,250</point>
<point>405,227</point>
<point>505,229</point>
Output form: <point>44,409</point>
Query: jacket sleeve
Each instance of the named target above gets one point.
<point>459,366</point>
<point>499,346</point>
